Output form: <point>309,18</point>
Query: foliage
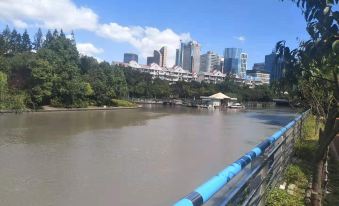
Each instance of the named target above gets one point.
<point>122,103</point>
<point>278,197</point>
<point>312,78</point>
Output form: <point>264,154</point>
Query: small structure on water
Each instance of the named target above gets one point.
<point>215,100</point>
<point>219,100</point>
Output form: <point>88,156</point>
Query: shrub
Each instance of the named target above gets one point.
<point>122,103</point>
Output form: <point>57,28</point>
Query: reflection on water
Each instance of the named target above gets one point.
<point>148,156</point>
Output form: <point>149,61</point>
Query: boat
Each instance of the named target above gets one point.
<point>237,106</point>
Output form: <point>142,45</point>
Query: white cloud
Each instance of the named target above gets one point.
<point>64,14</point>
<point>48,14</point>
<point>240,38</point>
<point>144,39</point>
<point>89,49</point>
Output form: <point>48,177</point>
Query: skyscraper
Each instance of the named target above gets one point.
<point>163,52</point>
<point>243,64</point>
<point>274,66</point>
<point>159,57</point>
<point>232,62</point>
<point>188,56</point>
<point>130,57</point>
<point>209,62</point>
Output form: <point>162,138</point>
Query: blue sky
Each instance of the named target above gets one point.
<point>108,28</point>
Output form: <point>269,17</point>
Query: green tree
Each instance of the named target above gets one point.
<point>14,42</point>
<point>6,36</point>
<point>41,82</point>
<point>311,72</point>
<point>26,45</point>
<point>38,40</point>
<point>3,89</point>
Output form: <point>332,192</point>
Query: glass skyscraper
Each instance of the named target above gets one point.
<point>188,56</point>
<point>130,57</point>
<point>232,63</point>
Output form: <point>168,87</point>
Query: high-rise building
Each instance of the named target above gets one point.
<point>259,66</point>
<point>130,57</point>
<point>209,62</point>
<point>163,52</point>
<point>177,57</point>
<point>159,57</point>
<point>150,60</point>
<point>274,66</point>
<point>243,64</point>
<point>188,56</point>
<point>232,60</point>
<point>221,64</point>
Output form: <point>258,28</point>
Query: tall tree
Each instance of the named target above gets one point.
<point>314,67</point>
<point>6,35</point>
<point>41,82</point>
<point>14,42</point>
<point>38,40</point>
<point>49,38</point>
<point>26,44</point>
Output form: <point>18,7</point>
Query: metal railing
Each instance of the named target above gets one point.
<point>246,181</point>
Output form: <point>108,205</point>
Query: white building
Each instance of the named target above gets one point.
<point>211,77</point>
<point>259,76</point>
<point>173,74</point>
<point>243,64</point>
<point>209,62</point>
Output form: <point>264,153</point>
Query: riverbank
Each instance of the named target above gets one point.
<point>62,109</point>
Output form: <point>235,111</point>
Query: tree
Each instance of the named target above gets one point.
<point>3,89</point>
<point>41,82</point>
<point>38,40</point>
<point>6,36</point>
<point>313,69</point>
<point>14,42</point>
<point>68,87</point>
<point>49,38</point>
<point>26,45</point>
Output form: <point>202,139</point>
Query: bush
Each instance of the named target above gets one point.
<point>278,197</point>
<point>122,103</point>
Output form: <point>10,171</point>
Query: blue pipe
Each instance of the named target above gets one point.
<point>205,191</point>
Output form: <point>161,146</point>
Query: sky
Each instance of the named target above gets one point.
<point>106,29</point>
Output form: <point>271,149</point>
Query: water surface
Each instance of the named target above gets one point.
<point>151,156</point>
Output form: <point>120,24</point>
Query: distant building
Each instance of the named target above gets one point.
<point>150,60</point>
<point>211,77</point>
<point>159,57</point>
<point>171,75</point>
<point>221,65</point>
<point>232,60</point>
<point>188,56</point>
<point>163,52</point>
<point>130,57</point>
<point>259,76</point>
<point>259,66</point>
<point>274,66</point>
<point>209,62</point>
<point>243,64</point>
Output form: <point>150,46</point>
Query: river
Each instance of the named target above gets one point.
<point>150,156</point>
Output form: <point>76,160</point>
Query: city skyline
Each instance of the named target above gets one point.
<point>106,31</point>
